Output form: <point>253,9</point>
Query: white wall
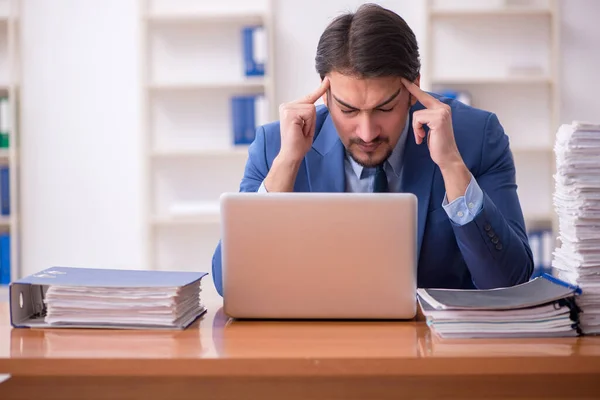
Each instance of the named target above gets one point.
<point>580,72</point>
<point>81,187</point>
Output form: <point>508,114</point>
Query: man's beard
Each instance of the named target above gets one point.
<point>370,163</point>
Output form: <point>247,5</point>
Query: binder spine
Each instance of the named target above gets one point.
<point>5,258</point>
<point>4,123</point>
<point>4,191</point>
<point>254,50</point>
<point>244,119</point>
<point>574,312</point>
<point>250,124</point>
<point>236,122</point>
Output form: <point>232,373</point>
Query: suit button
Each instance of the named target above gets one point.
<point>495,239</point>
<point>487,227</point>
<point>499,246</point>
<point>491,234</point>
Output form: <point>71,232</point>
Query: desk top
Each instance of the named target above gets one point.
<point>217,346</point>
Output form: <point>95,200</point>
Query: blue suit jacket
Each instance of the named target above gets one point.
<point>490,251</point>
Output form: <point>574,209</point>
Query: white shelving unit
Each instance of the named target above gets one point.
<point>192,65</point>
<point>505,55</point>
<point>9,88</point>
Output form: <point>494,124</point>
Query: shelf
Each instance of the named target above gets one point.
<point>240,151</point>
<point>189,221</point>
<point>4,155</point>
<point>237,18</point>
<point>193,213</point>
<point>5,221</point>
<point>250,83</point>
<point>492,12</point>
<point>532,149</point>
<point>501,80</point>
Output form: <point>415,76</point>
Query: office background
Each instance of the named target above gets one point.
<point>122,124</point>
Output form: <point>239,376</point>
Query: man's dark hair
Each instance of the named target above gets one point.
<point>372,42</point>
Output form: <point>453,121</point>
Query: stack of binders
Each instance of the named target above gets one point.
<point>66,297</point>
<point>577,204</point>
<point>542,307</point>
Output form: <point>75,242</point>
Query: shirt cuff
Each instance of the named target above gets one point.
<point>262,188</point>
<point>465,208</point>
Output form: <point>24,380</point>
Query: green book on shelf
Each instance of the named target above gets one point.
<point>4,123</point>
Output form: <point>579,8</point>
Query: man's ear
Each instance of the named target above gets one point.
<point>413,99</point>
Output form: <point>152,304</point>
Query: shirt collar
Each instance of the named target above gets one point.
<point>395,159</point>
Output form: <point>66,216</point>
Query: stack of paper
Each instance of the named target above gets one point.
<point>577,204</point>
<point>542,307</point>
<point>108,298</point>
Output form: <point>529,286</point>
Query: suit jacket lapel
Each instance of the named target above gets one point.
<point>325,161</point>
<point>417,177</point>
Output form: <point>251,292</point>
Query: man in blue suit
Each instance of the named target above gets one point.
<point>379,132</point>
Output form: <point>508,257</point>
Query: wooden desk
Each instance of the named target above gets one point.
<point>221,359</point>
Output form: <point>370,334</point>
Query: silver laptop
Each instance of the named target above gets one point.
<point>319,255</point>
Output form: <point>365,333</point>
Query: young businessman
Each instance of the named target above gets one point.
<point>379,132</point>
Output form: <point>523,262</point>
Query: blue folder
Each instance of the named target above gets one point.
<point>26,295</point>
<point>4,258</point>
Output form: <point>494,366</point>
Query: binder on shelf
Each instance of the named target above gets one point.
<point>542,247</point>
<point>70,297</point>
<point>463,96</point>
<point>4,258</point>
<point>542,307</point>
<point>248,112</point>
<point>255,50</point>
<point>4,123</point>
<point>4,190</point>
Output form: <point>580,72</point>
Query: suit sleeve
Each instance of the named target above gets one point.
<point>494,245</point>
<point>255,172</point>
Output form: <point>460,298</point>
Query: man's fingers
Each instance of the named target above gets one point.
<point>308,129</point>
<point>418,128</point>
<point>424,98</point>
<point>431,118</point>
<point>302,115</point>
<point>314,96</point>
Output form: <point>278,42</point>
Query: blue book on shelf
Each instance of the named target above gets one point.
<point>250,124</point>
<point>237,119</point>
<point>540,242</point>
<point>4,258</point>
<point>254,48</point>
<point>112,284</point>
<point>4,191</point>
<point>243,119</point>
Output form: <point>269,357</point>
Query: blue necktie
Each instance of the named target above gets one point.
<point>381,183</point>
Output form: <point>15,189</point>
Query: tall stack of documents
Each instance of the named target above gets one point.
<point>577,204</point>
<point>542,307</point>
<point>106,298</point>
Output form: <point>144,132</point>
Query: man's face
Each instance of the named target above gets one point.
<point>369,115</point>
